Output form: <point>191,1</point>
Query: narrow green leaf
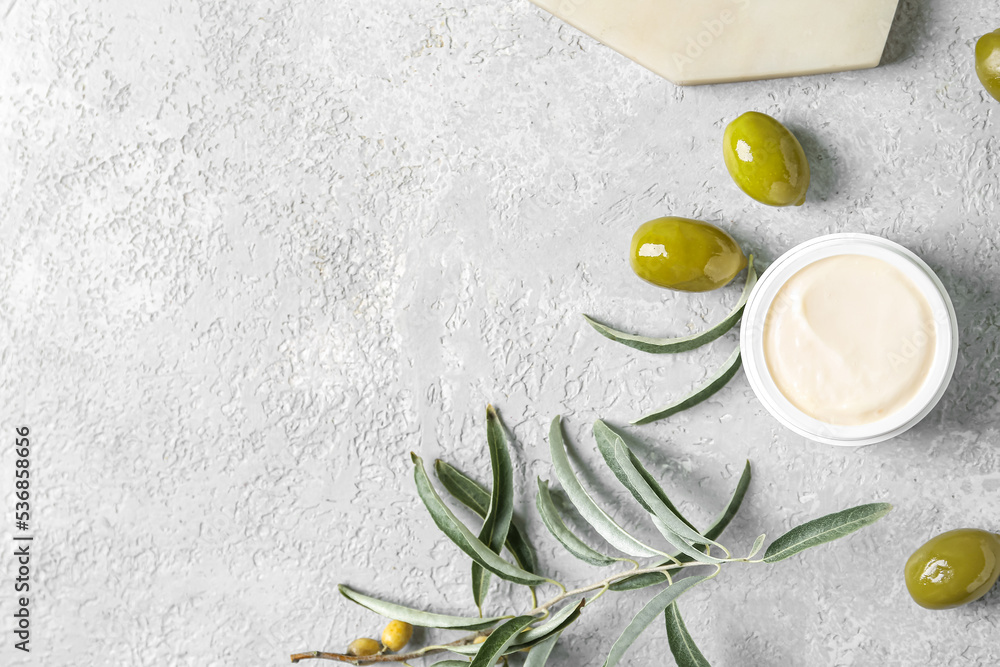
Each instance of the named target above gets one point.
<point>672,345</point>
<point>463,649</point>
<point>681,644</point>
<point>556,623</point>
<point>477,498</point>
<point>715,530</point>
<point>722,521</point>
<point>606,438</point>
<point>498,641</point>
<point>585,505</point>
<point>711,386</point>
<point>824,529</point>
<point>679,534</point>
<point>497,523</point>
<point>573,544</point>
<point>608,441</point>
<point>638,581</point>
<point>423,619</point>
<point>539,654</point>
<point>451,663</point>
<point>641,621</point>
<point>757,545</point>
<point>458,533</point>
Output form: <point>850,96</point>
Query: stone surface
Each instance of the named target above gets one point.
<point>254,253</point>
<point>713,41</point>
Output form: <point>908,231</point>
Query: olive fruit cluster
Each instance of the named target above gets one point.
<point>395,636</point>
<point>767,162</point>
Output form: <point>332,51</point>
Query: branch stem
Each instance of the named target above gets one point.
<point>610,580</point>
<point>541,610</point>
<point>386,657</point>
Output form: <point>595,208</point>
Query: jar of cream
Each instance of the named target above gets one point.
<point>849,339</point>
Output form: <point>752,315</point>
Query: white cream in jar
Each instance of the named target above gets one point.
<point>849,339</point>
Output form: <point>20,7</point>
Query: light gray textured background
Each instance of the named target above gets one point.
<point>253,254</point>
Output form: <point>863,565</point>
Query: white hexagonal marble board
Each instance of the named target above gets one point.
<point>713,41</point>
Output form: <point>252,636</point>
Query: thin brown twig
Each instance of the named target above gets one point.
<point>386,657</point>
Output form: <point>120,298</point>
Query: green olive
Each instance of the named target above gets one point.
<point>988,62</point>
<point>686,255</point>
<point>953,568</point>
<point>766,160</point>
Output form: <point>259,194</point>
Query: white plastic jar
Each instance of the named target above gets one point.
<point>944,346</point>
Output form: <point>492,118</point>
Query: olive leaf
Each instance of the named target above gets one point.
<point>424,619</point>
<point>682,646</point>
<point>714,530</point>
<point>451,663</point>
<point>824,529</point>
<point>477,498</point>
<point>585,505</point>
<point>606,438</point>
<point>556,623</point>
<point>458,533</point>
<point>722,521</point>
<point>498,641</point>
<point>539,654</point>
<point>651,610</point>
<point>573,544</point>
<point>716,382</point>
<point>672,345</point>
<point>682,536</point>
<point>757,545</point>
<point>671,524</point>
<point>497,522</point>
<point>647,579</point>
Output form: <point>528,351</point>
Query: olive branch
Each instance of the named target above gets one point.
<point>537,630</point>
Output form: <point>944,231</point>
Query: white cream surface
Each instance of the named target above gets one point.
<point>849,339</point>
